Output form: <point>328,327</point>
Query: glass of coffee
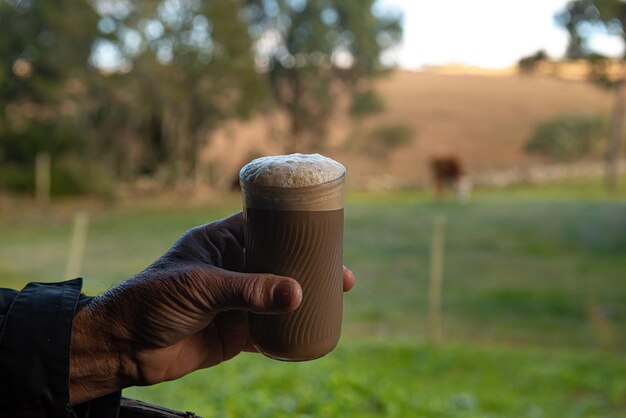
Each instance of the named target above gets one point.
<point>293,211</point>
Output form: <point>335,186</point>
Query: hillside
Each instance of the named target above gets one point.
<point>484,118</point>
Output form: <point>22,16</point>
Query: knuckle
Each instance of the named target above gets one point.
<point>253,292</point>
<point>217,290</point>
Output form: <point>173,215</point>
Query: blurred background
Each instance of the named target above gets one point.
<point>486,204</point>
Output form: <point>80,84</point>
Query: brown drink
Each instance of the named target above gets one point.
<point>293,207</point>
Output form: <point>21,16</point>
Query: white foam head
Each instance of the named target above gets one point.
<point>293,170</point>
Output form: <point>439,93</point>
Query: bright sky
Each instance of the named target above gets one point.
<point>485,33</point>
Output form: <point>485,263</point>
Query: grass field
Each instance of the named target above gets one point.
<point>534,305</point>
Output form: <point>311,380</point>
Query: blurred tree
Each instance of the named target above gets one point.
<point>313,50</point>
<point>581,18</point>
<point>569,137</point>
<point>575,14</point>
<point>528,65</point>
<point>182,67</point>
<point>384,139</point>
<point>44,50</point>
<point>44,45</point>
<point>141,84</point>
<point>365,103</point>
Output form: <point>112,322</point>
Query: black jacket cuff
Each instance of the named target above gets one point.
<point>35,337</point>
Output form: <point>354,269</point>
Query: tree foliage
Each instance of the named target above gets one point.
<point>570,137</point>
<point>365,103</point>
<point>528,64</point>
<point>581,18</point>
<point>44,44</point>
<point>189,67</point>
<point>44,51</point>
<point>144,83</point>
<point>576,14</point>
<point>311,51</point>
<point>385,139</point>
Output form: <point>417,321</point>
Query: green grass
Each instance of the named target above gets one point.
<point>534,305</point>
<point>515,271</point>
<point>403,379</point>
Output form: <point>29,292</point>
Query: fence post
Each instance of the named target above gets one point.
<point>42,178</point>
<point>77,245</point>
<point>435,283</point>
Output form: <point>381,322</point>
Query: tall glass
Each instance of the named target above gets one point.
<point>297,232</point>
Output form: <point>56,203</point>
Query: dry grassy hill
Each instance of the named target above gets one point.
<point>486,119</point>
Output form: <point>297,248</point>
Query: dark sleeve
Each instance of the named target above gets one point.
<point>6,297</point>
<point>35,336</point>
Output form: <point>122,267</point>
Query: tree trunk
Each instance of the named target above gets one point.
<point>614,146</point>
<point>270,124</point>
<point>200,168</point>
<point>180,146</point>
<point>294,112</point>
<point>169,133</point>
<point>295,132</point>
<point>42,178</point>
<point>175,128</point>
<point>124,157</point>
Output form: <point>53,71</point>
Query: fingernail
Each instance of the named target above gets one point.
<point>281,294</point>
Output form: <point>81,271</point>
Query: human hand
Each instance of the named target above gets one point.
<point>187,311</point>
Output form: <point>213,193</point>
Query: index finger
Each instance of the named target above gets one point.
<point>348,279</point>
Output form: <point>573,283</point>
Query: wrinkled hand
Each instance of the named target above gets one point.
<point>185,312</point>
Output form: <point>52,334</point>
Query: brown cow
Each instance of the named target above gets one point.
<point>448,172</point>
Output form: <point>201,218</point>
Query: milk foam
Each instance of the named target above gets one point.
<point>293,170</point>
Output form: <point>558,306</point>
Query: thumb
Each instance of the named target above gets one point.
<point>255,292</point>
